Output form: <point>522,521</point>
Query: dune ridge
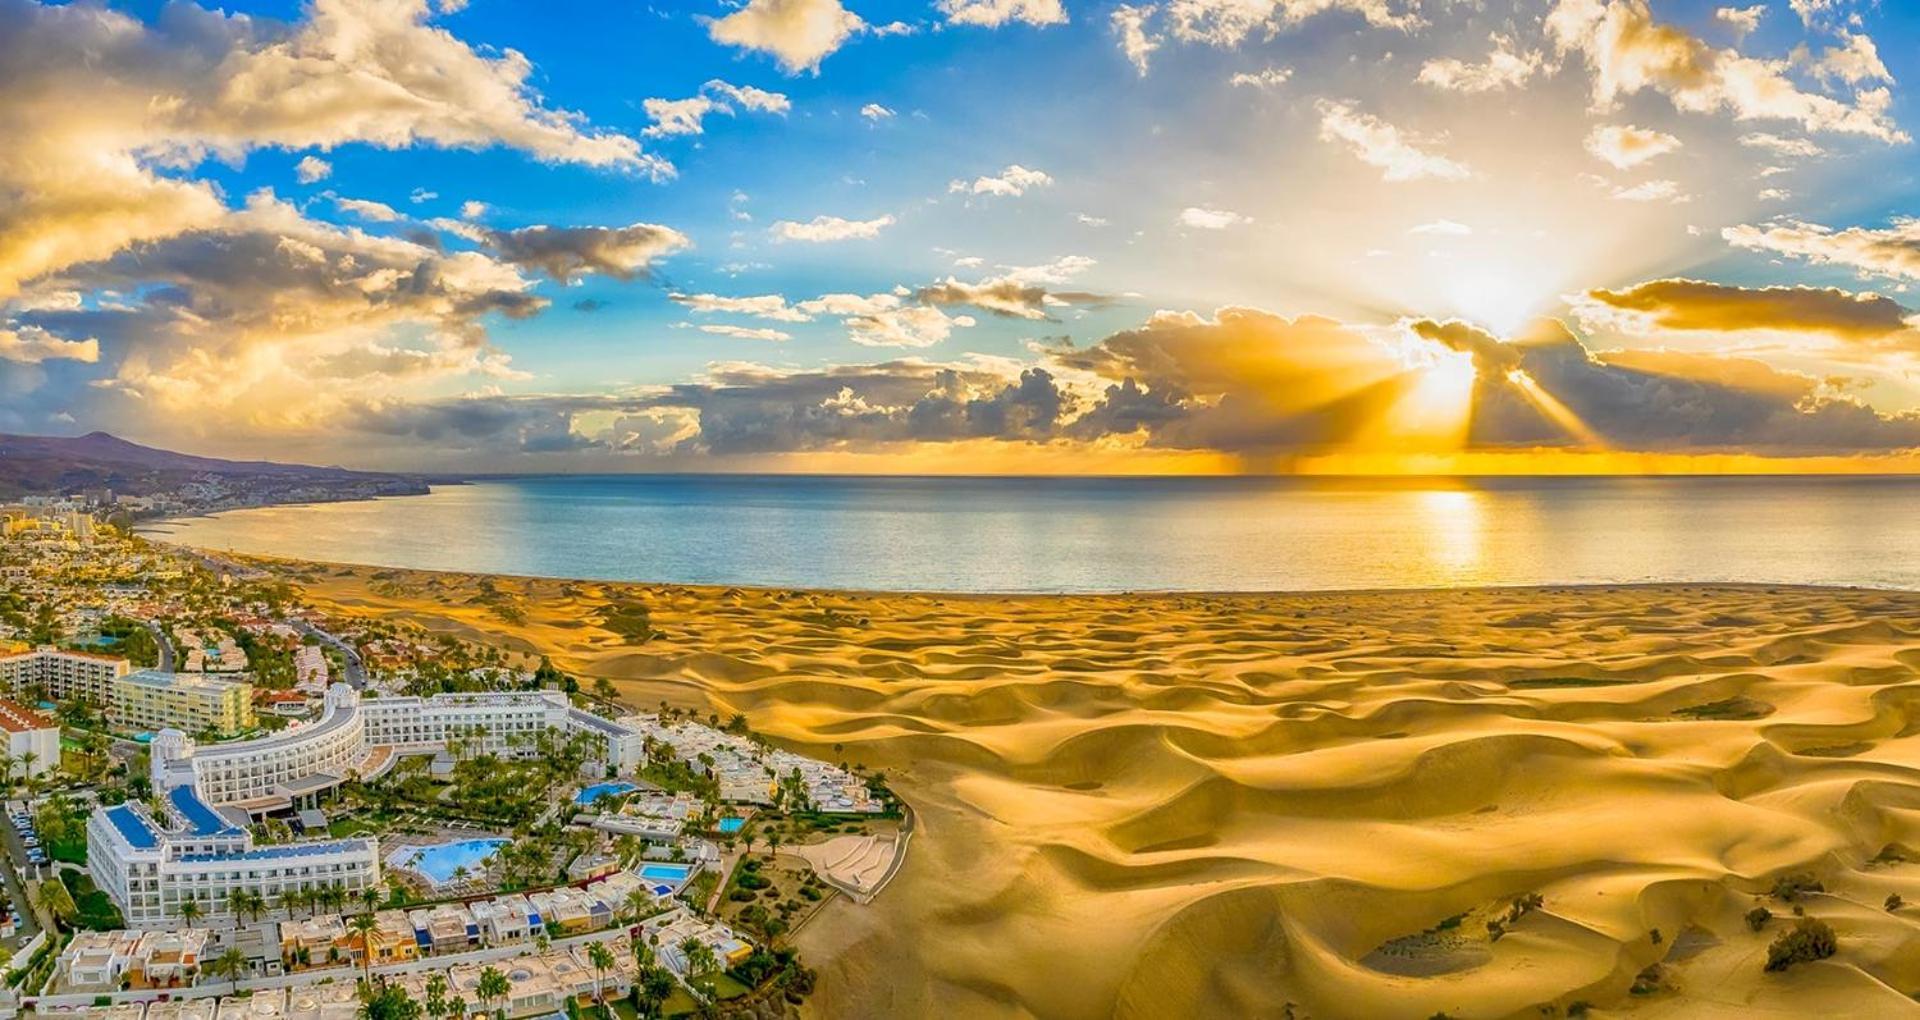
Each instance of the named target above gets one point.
<point>1227,805</point>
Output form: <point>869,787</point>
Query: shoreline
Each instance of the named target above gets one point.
<point>1142,593</point>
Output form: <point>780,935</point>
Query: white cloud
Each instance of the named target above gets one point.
<point>1200,218</point>
<point>1780,145</point>
<point>31,345</point>
<point>911,326</point>
<point>1503,68</point>
<point>830,228</point>
<point>311,170</point>
<point>749,98</point>
<point>678,116</point>
<point>1443,228</point>
<point>1652,191</point>
<point>1743,20</point>
<point>1230,22</point>
<point>688,116</point>
<point>472,209</point>
<point>1628,52</point>
<point>1380,144</point>
<point>100,161</point>
<point>746,332</point>
<point>762,306</point>
<point>1266,78</point>
<point>1626,146</point>
<point>1855,61</point>
<point>1091,221</point>
<point>1015,180</point>
<point>1129,22</point>
<point>874,111</point>
<point>798,33</point>
<point>994,13</point>
<point>1892,251</point>
<point>374,212</point>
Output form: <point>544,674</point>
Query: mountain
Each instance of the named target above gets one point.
<point>56,465</point>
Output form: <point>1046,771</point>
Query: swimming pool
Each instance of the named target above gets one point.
<point>438,863</point>
<point>670,873</point>
<point>730,825</point>
<point>599,790</point>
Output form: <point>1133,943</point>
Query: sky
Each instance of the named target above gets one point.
<point>968,236</point>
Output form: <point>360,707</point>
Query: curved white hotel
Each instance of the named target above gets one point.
<point>357,736</point>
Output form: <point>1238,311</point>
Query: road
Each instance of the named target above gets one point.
<point>356,670</point>
<point>25,918</point>
<point>160,641</point>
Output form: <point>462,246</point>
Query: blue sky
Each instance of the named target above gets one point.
<point>494,236</point>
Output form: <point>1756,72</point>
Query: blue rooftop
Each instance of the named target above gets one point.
<point>271,853</point>
<point>133,827</point>
<point>204,820</point>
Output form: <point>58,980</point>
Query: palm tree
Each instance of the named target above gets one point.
<point>248,902</point>
<point>229,963</point>
<point>190,911</point>
<point>365,924</point>
<point>54,899</point>
<point>370,896</point>
<point>293,899</point>
<point>638,903</point>
<point>602,959</point>
<point>437,994</point>
<point>700,958</point>
<point>493,987</point>
<point>457,1008</point>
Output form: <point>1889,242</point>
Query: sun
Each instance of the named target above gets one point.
<point>1501,296</point>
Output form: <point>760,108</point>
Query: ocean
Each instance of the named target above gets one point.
<point>1113,534</point>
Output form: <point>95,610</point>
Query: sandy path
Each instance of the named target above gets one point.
<point>1215,805</point>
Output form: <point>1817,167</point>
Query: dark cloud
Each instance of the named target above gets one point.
<point>563,253</point>
<point>1713,307</point>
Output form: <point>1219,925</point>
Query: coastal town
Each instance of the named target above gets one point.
<point>225,803</point>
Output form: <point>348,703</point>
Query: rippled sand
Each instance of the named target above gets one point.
<point>1185,806</point>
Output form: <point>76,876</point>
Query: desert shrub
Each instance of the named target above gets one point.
<point>1809,939</point>
<point>1758,917</point>
<point>1788,888</point>
<point>1649,980</point>
<point>1894,902</point>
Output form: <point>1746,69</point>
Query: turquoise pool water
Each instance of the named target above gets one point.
<point>674,873</point>
<point>598,790</point>
<point>439,862</point>
<point>730,824</point>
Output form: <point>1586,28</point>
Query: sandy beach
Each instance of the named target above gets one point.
<point>1195,805</point>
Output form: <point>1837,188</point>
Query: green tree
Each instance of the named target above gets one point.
<point>493,987</point>
<point>602,960</point>
<point>387,1002</point>
<point>363,925</point>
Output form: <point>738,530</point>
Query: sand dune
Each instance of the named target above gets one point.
<point>1196,805</point>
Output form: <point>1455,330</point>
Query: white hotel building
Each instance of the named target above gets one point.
<point>150,869</point>
<point>62,675</point>
<point>361,737</point>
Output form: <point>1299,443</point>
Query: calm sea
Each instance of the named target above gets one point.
<point>1044,535</point>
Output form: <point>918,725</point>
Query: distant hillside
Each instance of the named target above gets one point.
<point>55,465</point>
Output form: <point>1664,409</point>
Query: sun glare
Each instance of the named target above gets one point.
<point>1498,296</point>
<point>1435,410</point>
